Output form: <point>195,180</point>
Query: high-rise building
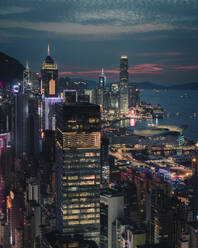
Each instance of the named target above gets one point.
<point>102,80</point>
<point>33,134</point>
<point>49,76</point>
<point>101,89</point>
<point>112,207</point>
<point>123,84</point>
<point>48,112</point>
<point>134,96</point>
<point>78,169</point>
<point>26,78</point>
<point>21,119</point>
<point>79,86</point>
<point>114,88</point>
<point>5,116</point>
<point>26,125</point>
<point>114,97</point>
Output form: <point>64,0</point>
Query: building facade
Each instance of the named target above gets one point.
<point>49,77</point>
<point>123,84</point>
<point>78,170</point>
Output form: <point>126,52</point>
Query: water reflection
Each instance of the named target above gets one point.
<point>132,122</point>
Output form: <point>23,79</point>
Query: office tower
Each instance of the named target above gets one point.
<point>70,96</point>
<point>166,221</point>
<point>33,132</point>
<point>114,97</point>
<point>79,86</point>
<point>133,236</point>
<point>26,78</point>
<point>48,112</point>
<point>112,207</point>
<point>78,169</point>
<point>64,83</point>
<point>49,76</point>
<point>48,150</point>
<point>123,84</point>
<point>26,133</point>
<point>21,118</point>
<point>35,82</point>
<point>89,94</point>
<point>134,96</point>
<point>102,80</point>
<point>104,157</point>
<point>101,89</point>
<point>114,88</point>
<point>5,116</point>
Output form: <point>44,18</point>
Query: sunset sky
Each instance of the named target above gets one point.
<point>160,37</point>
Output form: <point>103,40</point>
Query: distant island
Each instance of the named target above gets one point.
<point>146,85</point>
<point>151,86</point>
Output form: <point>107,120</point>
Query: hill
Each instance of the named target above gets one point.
<point>149,86</point>
<point>10,69</point>
<point>186,86</point>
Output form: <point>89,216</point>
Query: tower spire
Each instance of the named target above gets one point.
<point>102,71</point>
<point>48,50</point>
<point>27,66</point>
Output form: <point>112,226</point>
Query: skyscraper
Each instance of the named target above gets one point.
<point>101,89</point>
<point>133,96</point>
<point>78,169</point>
<point>49,76</point>
<point>102,80</point>
<point>123,84</point>
<point>26,78</point>
<point>26,125</point>
<point>21,118</point>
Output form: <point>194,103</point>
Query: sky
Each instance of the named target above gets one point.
<point>160,37</point>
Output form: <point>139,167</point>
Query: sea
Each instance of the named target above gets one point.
<point>181,108</point>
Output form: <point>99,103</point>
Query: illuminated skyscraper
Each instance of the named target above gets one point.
<point>26,78</point>
<point>102,80</point>
<point>123,84</point>
<point>49,76</point>
<point>101,89</point>
<point>78,169</point>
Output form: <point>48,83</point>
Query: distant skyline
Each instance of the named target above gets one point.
<point>159,37</point>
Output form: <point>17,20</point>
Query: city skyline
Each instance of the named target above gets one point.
<point>159,37</point>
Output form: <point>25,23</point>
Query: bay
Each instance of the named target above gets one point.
<point>181,107</point>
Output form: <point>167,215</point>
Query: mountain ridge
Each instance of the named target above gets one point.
<point>10,69</point>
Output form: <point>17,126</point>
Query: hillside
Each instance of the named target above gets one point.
<point>10,69</point>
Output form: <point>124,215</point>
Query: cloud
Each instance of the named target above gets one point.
<point>139,70</point>
<point>159,54</point>
<point>142,69</point>
<point>65,28</point>
<point>11,10</point>
<point>186,68</point>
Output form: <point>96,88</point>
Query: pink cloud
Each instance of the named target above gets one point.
<point>138,69</point>
<point>159,54</point>
<point>186,67</point>
<point>146,69</point>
